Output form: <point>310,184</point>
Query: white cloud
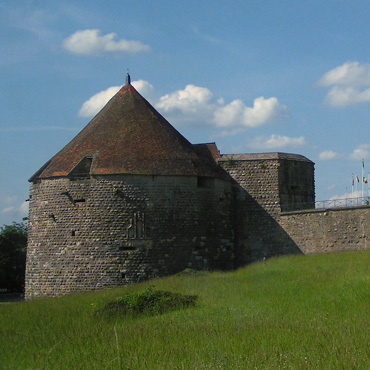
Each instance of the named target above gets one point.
<point>24,208</point>
<point>204,36</point>
<point>361,152</point>
<point>93,106</point>
<point>348,74</point>
<point>229,132</point>
<point>90,42</point>
<point>355,198</point>
<point>192,102</point>
<point>7,209</point>
<point>195,105</point>
<point>346,195</point>
<point>263,111</point>
<point>145,89</point>
<point>346,81</point>
<point>343,96</point>
<point>328,155</point>
<point>11,209</point>
<point>276,142</point>
<point>33,20</point>
<point>8,200</point>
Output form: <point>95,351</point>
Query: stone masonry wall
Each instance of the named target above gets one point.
<point>259,178</point>
<point>256,208</point>
<point>296,185</point>
<point>107,231</point>
<point>329,230</point>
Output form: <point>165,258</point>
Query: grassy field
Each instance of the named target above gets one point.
<point>299,312</point>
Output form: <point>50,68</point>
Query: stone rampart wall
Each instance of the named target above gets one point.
<point>296,184</point>
<point>107,231</point>
<point>256,208</point>
<point>259,179</point>
<point>328,230</point>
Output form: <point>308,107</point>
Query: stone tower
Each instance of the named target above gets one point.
<point>128,199</point>
<point>264,186</point>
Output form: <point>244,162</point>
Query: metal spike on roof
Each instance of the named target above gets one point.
<point>128,79</point>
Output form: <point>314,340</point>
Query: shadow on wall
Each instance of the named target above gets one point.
<point>257,233</point>
<point>14,297</point>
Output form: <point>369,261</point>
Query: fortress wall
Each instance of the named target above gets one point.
<point>258,178</point>
<point>256,208</point>
<point>329,230</point>
<point>264,184</point>
<point>108,231</point>
<point>296,184</point>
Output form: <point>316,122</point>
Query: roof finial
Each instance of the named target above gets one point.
<point>128,78</point>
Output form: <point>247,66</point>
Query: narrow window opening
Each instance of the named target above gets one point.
<point>124,248</point>
<point>52,216</point>
<point>80,200</point>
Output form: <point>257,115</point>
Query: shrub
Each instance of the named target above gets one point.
<point>148,302</point>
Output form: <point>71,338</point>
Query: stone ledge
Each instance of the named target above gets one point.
<point>320,210</point>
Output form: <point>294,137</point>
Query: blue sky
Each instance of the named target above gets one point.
<point>253,76</point>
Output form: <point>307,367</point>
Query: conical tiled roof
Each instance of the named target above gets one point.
<point>128,136</point>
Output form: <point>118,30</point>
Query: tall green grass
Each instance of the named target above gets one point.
<point>299,312</point>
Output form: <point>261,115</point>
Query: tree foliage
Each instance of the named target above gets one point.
<point>13,245</point>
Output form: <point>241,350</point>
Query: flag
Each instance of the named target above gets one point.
<point>365,180</point>
<point>357,180</point>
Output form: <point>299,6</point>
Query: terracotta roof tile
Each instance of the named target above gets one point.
<point>128,136</point>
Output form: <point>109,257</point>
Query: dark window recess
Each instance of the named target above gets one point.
<point>205,182</point>
<point>80,200</point>
<point>73,233</point>
<point>123,275</point>
<point>82,169</point>
<point>124,248</point>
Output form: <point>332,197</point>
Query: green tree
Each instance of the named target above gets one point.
<point>13,245</point>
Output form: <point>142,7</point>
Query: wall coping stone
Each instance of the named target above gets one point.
<point>322,210</point>
<point>262,156</point>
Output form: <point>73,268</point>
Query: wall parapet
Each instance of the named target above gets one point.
<point>327,204</point>
<point>328,230</point>
<point>321,210</point>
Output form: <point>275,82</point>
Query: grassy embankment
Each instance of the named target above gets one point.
<point>299,312</point>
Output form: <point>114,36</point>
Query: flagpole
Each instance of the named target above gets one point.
<point>353,184</point>
<point>362,183</point>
